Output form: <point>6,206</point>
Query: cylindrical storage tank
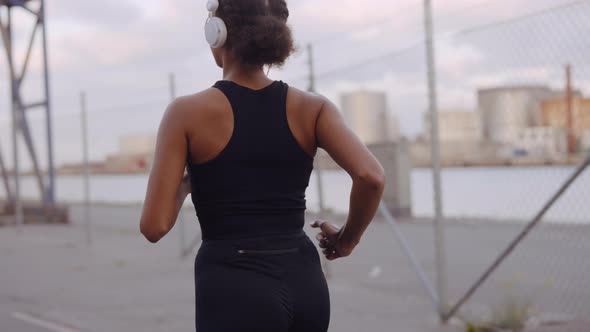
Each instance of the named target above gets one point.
<point>366,114</point>
<point>505,111</point>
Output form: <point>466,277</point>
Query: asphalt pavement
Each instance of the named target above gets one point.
<point>52,280</point>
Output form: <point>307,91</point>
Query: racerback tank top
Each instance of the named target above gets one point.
<point>256,185</point>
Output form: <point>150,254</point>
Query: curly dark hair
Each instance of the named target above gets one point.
<point>257,31</point>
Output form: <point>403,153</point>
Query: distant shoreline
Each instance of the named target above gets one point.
<point>507,164</point>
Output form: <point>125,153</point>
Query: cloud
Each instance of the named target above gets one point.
<point>122,51</point>
<point>366,34</point>
<point>455,61</point>
<point>108,14</point>
<point>351,12</point>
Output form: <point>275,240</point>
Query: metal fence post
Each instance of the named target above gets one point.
<point>86,176</point>
<point>439,240</point>
<point>312,88</point>
<point>317,168</point>
<point>50,194</point>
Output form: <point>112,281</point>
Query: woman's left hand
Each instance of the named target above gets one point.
<point>330,241</point>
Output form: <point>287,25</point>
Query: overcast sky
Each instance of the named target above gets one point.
<point>121,51</point>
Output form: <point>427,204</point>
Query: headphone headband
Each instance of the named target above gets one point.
<point>212,6</point>
<point>215,28</point>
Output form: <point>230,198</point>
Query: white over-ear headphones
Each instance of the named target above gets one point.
<point>215,29</point>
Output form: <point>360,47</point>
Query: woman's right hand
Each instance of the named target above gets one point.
<point>330,240</point>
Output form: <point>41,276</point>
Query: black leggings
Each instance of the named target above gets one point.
<point>272,284</point>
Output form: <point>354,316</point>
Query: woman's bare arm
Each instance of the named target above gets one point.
<point>166,188</point>
<point>367,176</point>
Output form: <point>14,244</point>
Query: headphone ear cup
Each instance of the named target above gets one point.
<point>215,32</point>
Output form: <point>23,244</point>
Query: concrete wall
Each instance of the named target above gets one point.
<point>395,158</point>
<point>396,161</point>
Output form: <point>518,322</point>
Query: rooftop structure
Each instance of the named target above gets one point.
<point>13,2</point>
<point>18,65</point>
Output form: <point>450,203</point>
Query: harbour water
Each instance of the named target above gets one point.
<point>503,194</point>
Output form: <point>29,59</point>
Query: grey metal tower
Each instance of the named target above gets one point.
<point>22,105</point>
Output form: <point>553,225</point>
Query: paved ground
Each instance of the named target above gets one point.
<point>50,280</point>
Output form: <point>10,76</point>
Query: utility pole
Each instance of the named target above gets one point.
<point>571,137</point>
<point>311,69</point>
<point>50,191</point>
<point>439,238</point>
<point>84,124</point>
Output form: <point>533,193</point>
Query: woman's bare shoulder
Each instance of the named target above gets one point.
<point>306,100</point>
<point>201,102</point>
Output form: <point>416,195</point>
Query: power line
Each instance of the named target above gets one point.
<point>338,35</point>
<point>387,56</point>
<point>128,108</point>
<point>394,53</point>
<point>135,94</point>
<point>402,51</point>
<point>522,17</point>
<point>117,108</point>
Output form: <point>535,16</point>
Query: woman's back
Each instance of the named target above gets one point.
<point>249,144</point>
<point>250,178</point>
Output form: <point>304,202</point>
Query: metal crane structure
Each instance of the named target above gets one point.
<point>21,106</point>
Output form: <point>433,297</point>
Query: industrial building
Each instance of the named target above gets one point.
<point>460,139</point>
<point>136,154</point>
<point>366,113</point>
<point>555,114</point>
<point>506,111</point>
<point>137,144</point>
<point>542,143</point>
<point>585,141</point>
<point>455,126</point>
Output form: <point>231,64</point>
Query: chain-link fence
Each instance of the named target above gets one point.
<point>524,108</point>
<point>505,145</point>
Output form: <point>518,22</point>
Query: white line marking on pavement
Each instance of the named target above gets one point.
<point>49,325</point>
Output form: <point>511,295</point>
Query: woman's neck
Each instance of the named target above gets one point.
<point>251,77</point>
